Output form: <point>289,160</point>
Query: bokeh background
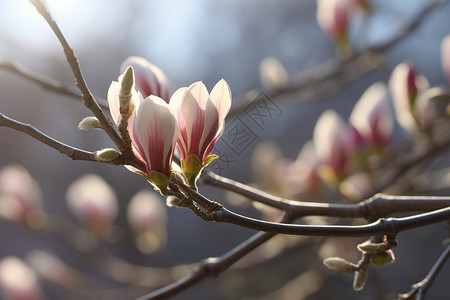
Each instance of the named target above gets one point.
<point>197,40</point>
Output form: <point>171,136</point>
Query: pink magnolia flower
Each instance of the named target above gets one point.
<point>333,17</point>
<point>201,118</point>
<point>406,87</point>
<point>372,116</point>
<point>18,281</point>
<point>445,56</point>
<point>20,196</point>
<point>93,202</point>
<point>153,131</point>
<point>302,175</point>
<point>149,79</point>
<point>331,142</point>
<point>147,217</point>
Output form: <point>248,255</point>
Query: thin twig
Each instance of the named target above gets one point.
<point>378,206</point>
<point>217,213</point>
<point>44,81</point>
<point>89,100</point>
<point>420,289</point>
<point>72,152</point>
<point>213,266</point>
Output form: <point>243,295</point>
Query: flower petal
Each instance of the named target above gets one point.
<point>221,97</point>
<point>156,132</point>
<point>150,80</point>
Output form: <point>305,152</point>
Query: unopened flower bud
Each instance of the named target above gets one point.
<point>382,258</point>
<point>20,197</point>
<point>339,264</point>
<point>272,74</point>
<point>370,247</point>
<point>18,281</point>
<point>88,123</point>
<point>360,279</point>
<point>93,202</point>
<point>149,79</point>
<point>107,154</point>
<point>127,81</point>
<point>51,268</point>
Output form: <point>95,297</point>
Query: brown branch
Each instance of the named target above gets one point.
<point>420,289</point>
<point>217,213</point>
<point>213,266</point>
<point>89,100</point>
<point>311,81</point>
<point>72,152</point>
<point>44,81</point>
<point>375,207</point>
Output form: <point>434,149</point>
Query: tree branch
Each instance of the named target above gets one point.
<point>89,100</point>
<point>420,289</point>
<point>72,152</point>
<point>44,81</point>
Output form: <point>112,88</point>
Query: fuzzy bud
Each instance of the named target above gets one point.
<point>107,154</point>
<point>379,259</point>
<point>339,264</point>
<point>127,81</point>
<point>272,74</point>
<point>88,123</point>
<point>360,279</point>
<point>370,247</point>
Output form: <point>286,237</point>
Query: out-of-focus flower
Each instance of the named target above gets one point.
<point>153,132</point>
<point>445,56</point>
<point>272,74</point>
<point>20,196</point>
<point>147,217</point>
<point>356,186</point>
<point>334,17</point>
<point>331,141</point>
<point>93,202</point>
<point>18,281</point>
<point>372,116</point>
<point>52,268</point>
<point>265,163</point>
<point>149,79</point>
<point>406,87</point>
<point>302,175</point>
<point>201,119</point>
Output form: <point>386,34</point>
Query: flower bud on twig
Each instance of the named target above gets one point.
<point>89,122</point>
<point>340,264</point>
<point>107,154</point>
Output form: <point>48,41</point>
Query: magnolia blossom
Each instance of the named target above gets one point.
<point>445,56</point>
<point>18,281</point>
<point>201,118</point>
<point>147,216</point>
<point>272,74</point>
<point>372,116</point>
<point>153,131</point>
<point>333,17</point>
<point>302,175</point>
<point>93,202</point>
<point>406,87</point>
<point>331,142</point>
<point>149,79</point>
<point>20,196</point>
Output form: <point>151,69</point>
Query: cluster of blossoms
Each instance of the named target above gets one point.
<point>342,151</point>
<point>192,118</point>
